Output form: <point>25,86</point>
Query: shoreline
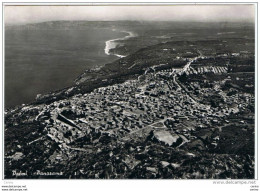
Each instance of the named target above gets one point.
<point>110,44</point>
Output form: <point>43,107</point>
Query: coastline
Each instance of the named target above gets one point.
<point>110,44</point>
<point>52,66</point>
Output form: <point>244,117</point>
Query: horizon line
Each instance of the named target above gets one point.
<point>185,21</point>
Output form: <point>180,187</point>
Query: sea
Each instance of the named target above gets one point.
<point>41,61</point>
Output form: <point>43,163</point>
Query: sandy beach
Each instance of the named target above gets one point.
<point>110,44</point>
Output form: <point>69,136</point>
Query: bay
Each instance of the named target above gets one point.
<point>41,61</point>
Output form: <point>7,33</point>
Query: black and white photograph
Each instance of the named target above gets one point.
<point>129,91</point>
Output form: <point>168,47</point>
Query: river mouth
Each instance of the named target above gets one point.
<point>42,61</point>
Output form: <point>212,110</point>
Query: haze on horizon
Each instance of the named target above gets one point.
<point>202,13</point>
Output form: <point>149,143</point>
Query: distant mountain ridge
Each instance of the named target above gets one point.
<point>126,23</point>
